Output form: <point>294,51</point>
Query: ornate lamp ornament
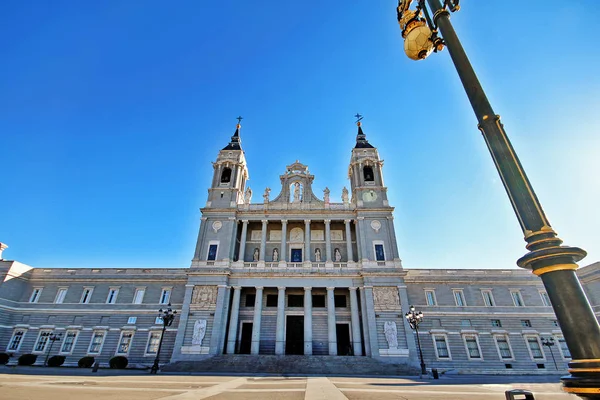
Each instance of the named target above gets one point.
<point>420,34</point>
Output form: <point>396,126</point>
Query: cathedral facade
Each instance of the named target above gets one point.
<point>295,273</point>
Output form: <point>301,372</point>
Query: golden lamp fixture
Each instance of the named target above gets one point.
<point>420,34</point>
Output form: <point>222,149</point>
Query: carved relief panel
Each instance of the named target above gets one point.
<point>386,298</point>
<point>204,297</point>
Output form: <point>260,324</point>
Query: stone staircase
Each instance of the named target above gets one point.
<point>291,365</point>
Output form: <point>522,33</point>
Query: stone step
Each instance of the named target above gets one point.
<point>326,365</point>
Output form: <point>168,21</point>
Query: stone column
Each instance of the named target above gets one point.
<point>328,241</point>
<point>365,323</point>
<point>280,327</point>
<point>233,320</point>
<point>200,242</point>
<point>224,317</point>
<point>369,311</point>
<point>331,327</point>
<point>358,240</point>
<point>218,327</point>
<point>256,322</point>
<point>283,250</point>
<point>365,251</point>
<point>349,242</point>
<point>183,321</point>
<point>355,321</point>
<point>307,321</point>
<point>263,240</point>
<point>307,240</point>
<point>243,240</point>
<point>394,243</point>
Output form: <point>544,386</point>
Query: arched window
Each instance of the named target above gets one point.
<point>368,174</point>
<point>226,175</point>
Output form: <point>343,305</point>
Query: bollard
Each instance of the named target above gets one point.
<point>435,374</point>
<point>510,394</point>
<point>96,366</point>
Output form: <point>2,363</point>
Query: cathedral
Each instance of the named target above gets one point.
<point>295,273</point>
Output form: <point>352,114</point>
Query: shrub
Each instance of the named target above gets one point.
<point>4,357</point>
<point>27,359</point>
<point>118,362</point>
<point>56,361</point>
<point>86,362</point>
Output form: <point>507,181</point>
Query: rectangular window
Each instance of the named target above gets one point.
<point>459,298</point>
<point>165,296</point>
<point>534,347</point>
<point>472,347</point>
<point>517,299</point>
<point>112,296</point>
<point>131,320</point>
<point>60,295</point>
<point>125,342</point>
<point>441,346</point>
<point>153,341</point>
<point>96,343</point>
<point>503,347</point>
<point>562,344</point>
<point>138,297</point>
<point>68,342</point>
<point>250,300</point>
<point>35,295</point>
<point>159,321</point>
<point>86,295</point>
<point>318,301</point>
<point>496,323</point>
<point>545,299</point>
<point>488,298</point>
<point>525,323</point>
<point>272,300</point>
<point>296,300</point>
<point>16,340</point>
<point>212,252</point>
<point>340,300</point>
<point>379,253</point>
<point>42,341</point>
<point>465,322</point>
<point>430,297</point>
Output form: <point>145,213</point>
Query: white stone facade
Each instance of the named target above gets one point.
<point>293,274</point>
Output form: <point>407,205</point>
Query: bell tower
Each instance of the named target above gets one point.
<point>215,245</point>
<point>230,175</point>
<point>365,173</point>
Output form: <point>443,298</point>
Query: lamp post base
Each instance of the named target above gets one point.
<point>155,367</point>
<point>584,380</point>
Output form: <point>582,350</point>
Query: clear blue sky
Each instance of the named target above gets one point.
<point>112,111</point>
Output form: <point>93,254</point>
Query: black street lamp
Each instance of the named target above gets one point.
<point>553,263</point>
<point>52,338</point>
<point>167,317</point>
<point>549,342</point>
<point>414,319</point>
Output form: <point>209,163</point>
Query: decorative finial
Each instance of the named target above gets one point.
<point>239,124</point>
<point>358,119</point>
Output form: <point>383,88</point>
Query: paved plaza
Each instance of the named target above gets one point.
<point>67,384</point>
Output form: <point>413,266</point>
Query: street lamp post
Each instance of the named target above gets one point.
<point>52,338</point>
<point>167,317</point>
<point>414,319</point>
<point>549,342</point>
<point>553,263</point>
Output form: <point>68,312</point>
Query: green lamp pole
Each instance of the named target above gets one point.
<point>553,263</point>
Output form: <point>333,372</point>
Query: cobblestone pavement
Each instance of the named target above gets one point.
<point>141,385</point>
